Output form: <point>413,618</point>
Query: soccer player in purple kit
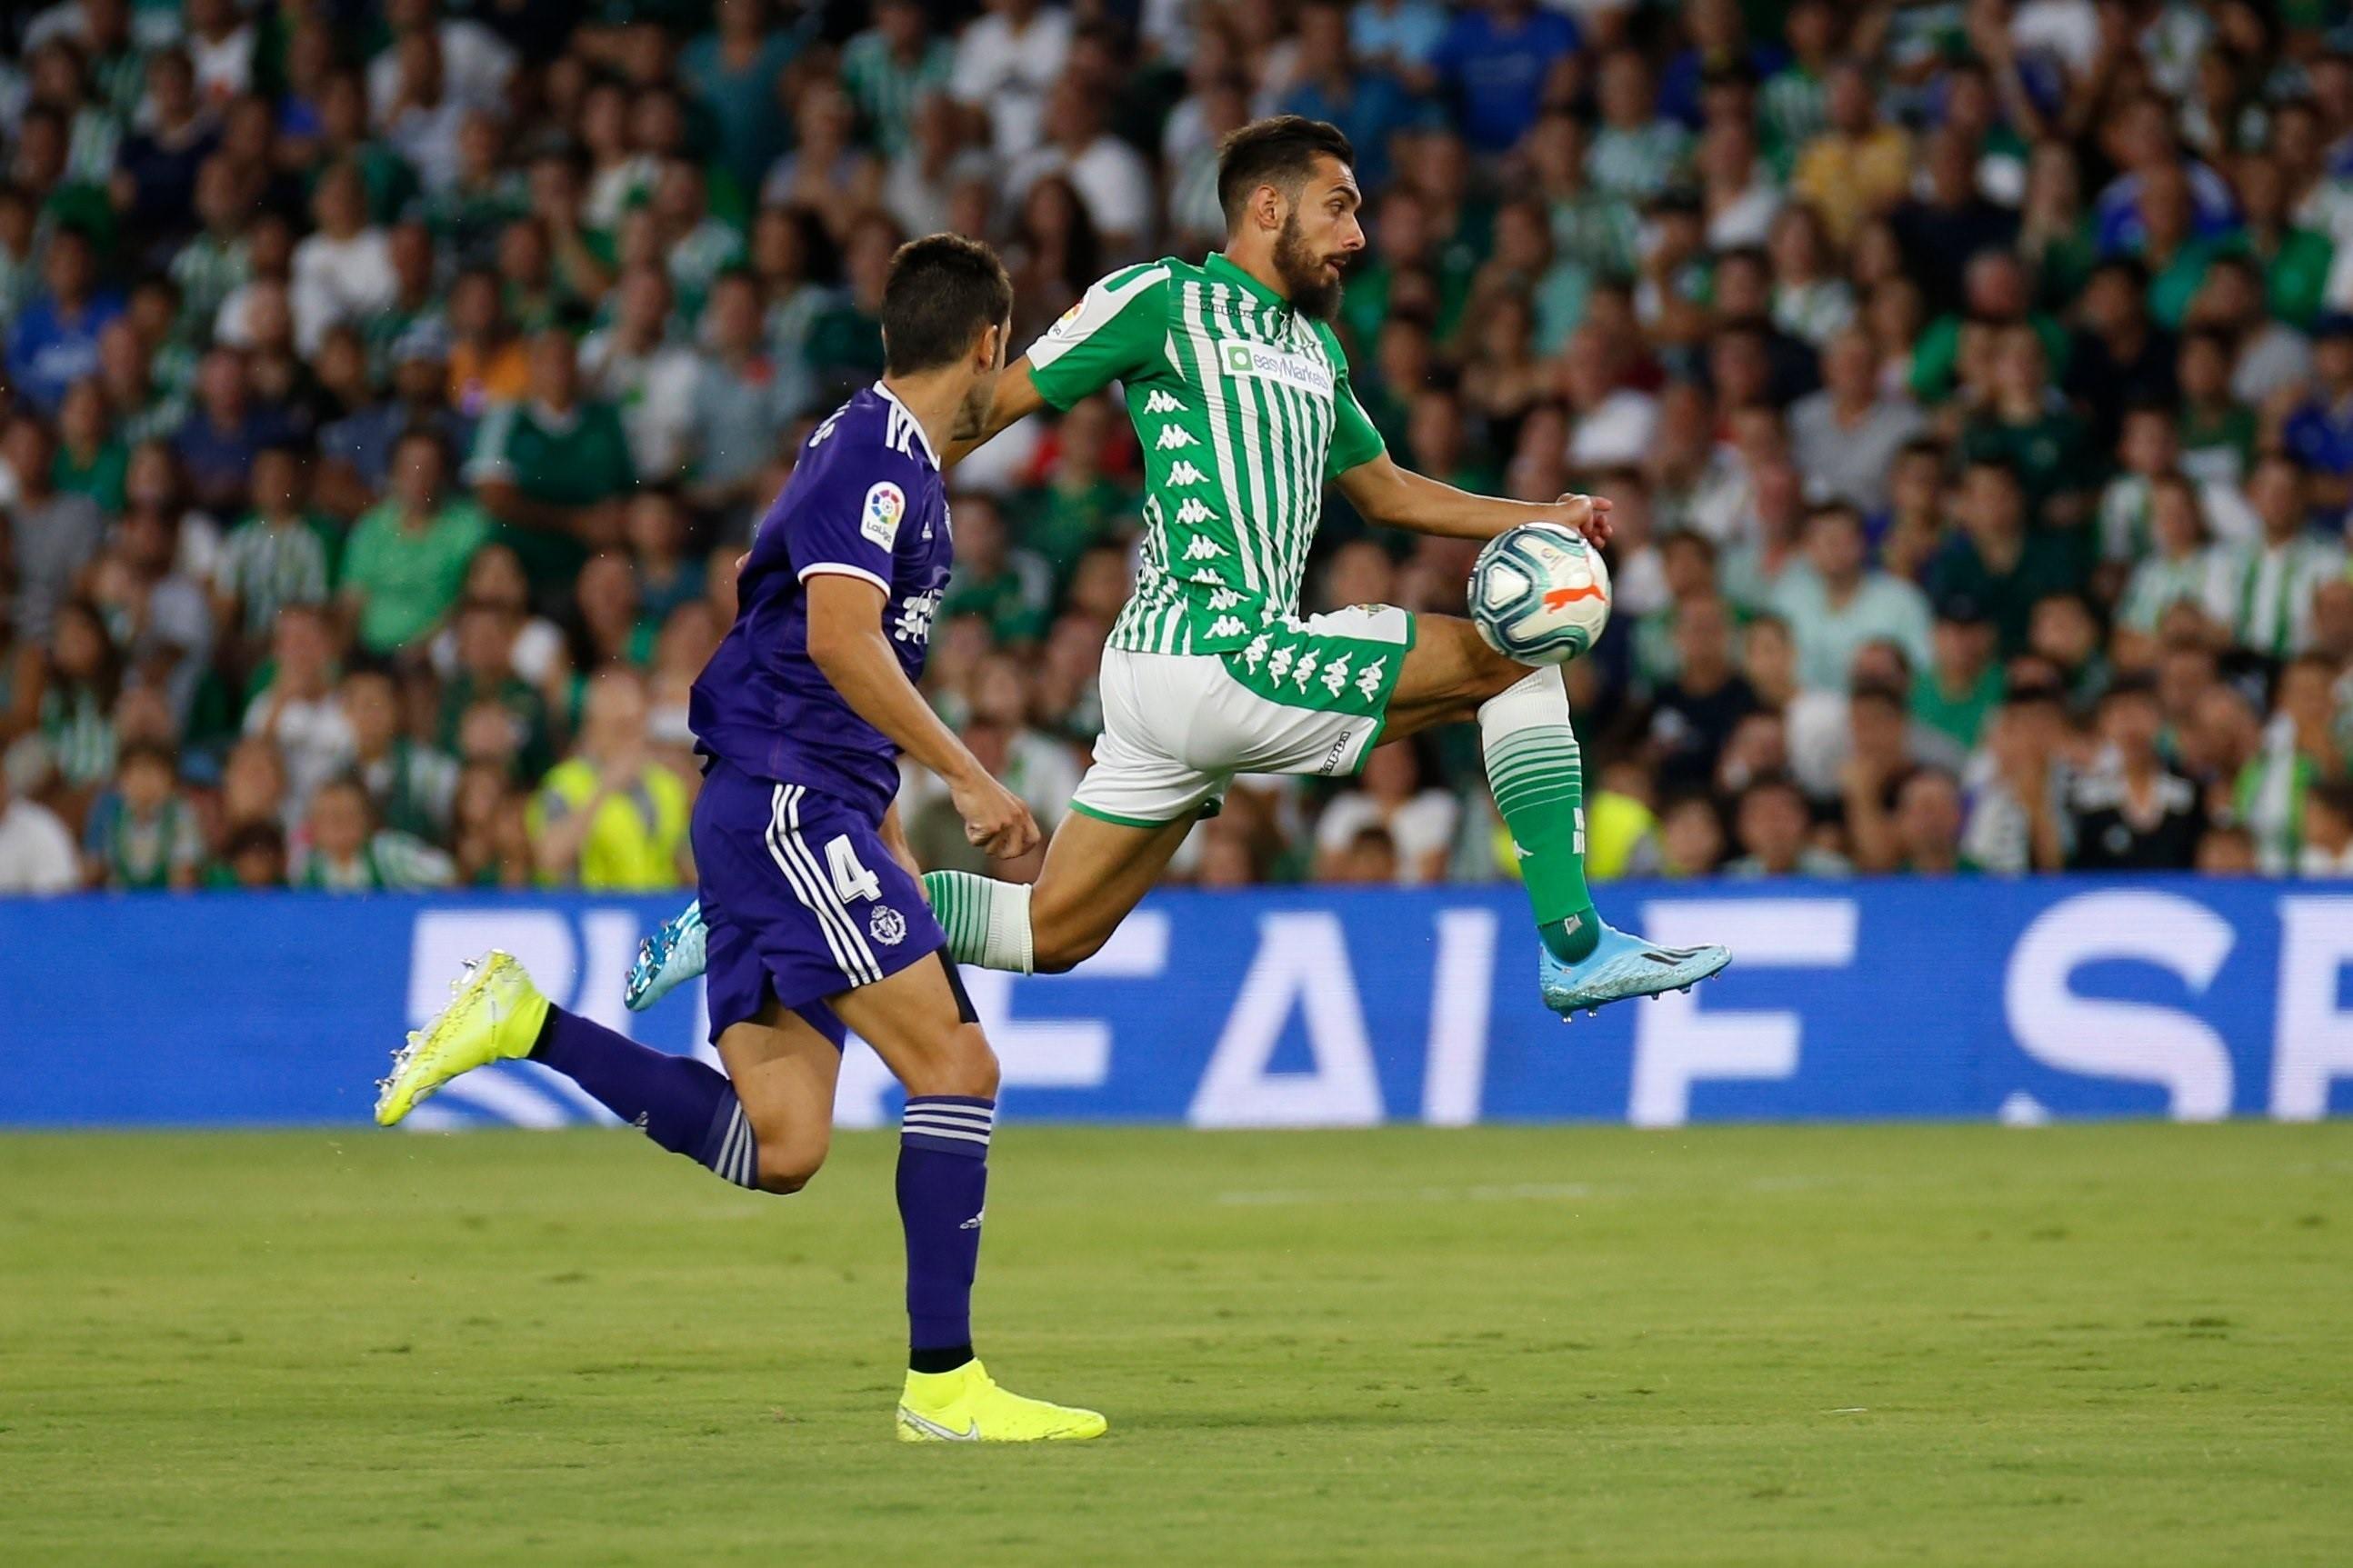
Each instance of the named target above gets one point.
<point>817,918</point>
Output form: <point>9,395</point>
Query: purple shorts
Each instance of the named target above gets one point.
<point>802,899</point>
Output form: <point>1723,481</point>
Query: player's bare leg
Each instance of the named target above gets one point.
<point>784,1072</point>
<point>1095,873</point>
<point>1448,674</point>
<point>921,1024</point>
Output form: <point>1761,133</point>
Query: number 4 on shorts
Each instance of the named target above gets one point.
<point>851,879</point>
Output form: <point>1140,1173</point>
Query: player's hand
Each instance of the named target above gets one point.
<point>1589,515</point>
<point>994,817</point>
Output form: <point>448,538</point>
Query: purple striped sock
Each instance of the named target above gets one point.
<point>943,1188</point>
<point>677,1101</point>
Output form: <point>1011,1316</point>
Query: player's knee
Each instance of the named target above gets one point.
<point>1477,673</point>
<point>1492,675</point>
<point>963,1065</point>
<point>1063,933</point>
<point>1061,952</point>
<point>787,1164</point>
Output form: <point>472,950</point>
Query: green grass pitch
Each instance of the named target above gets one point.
<point>2126,1344</point>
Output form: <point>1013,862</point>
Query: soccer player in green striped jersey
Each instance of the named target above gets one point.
<point>1243,405</point>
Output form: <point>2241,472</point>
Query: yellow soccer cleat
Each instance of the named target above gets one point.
<point>966,1406</point>
<point>494,1015</point>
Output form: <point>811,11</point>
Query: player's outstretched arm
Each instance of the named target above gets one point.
<point>1400,498</point>
<point>847,643</point>
<point>1017,398</point>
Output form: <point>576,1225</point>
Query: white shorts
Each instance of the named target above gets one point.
<point>1178,727</point>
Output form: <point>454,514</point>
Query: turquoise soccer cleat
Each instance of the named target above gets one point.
<point>674,954</point>
<point>1623,967</point>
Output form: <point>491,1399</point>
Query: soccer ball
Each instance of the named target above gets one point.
<point>1540,594</point>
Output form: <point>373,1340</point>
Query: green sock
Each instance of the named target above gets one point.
<point>1537,774</point>
<point>987,921</point>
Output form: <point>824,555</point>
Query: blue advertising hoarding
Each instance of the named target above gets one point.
<point>2049,998</point>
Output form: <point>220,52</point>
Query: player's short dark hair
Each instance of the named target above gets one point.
<point>944,291</point>
<point>1278,151</point>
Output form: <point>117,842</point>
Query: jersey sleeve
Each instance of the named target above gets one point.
<point>1354,439</point>
<point>1116,331</point>
<point>847,526</point>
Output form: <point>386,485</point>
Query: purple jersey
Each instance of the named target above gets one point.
<point>866,501</point>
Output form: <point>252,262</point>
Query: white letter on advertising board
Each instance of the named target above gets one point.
<point>2312,1042</point>
<point>1676,1045</point>
<point>1301,962</point>
<point>2137,1042</point>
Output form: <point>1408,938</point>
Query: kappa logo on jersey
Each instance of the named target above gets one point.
<point>887,925</point>
<point>1369,683</point>
<point>917,612</point>
<point>1159,402</point>
<point>886,503</point>
<point>1226,626</point>
<point>1224,599</point>
<point>1193,511</point>
<point>1335,675</point>
<point>1295,371</point>
<point>1203,547</point>
<point>1175,438</point>
<point>1184,473</point>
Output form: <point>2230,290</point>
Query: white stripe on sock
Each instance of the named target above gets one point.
<point>914,1119</point>
<point>732,1151</point>
<point>981,1138</point>
<point>971,1113</point>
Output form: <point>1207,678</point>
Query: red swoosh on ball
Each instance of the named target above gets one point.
<point>1561,598</point>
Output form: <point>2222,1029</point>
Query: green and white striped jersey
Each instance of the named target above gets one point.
<point>1243,409</point>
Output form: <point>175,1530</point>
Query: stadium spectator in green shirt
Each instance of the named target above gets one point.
<point>2293,261</point>
<point>891,64</point>
<point>733,70</point>
<point>275,558</point>
<point>344,850</point>
<point>1997,562</point>
<point>552,468</point>
<point>406,566</point>
<point>1963,683</point>
<point>2027,428</point>
<point>1078,505</point>
<point>486,678</point>
<point>90,461</point>
<point>1994,288</point>
<point>1011,589</point>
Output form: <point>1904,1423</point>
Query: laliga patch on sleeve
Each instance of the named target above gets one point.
<point>886,503</point>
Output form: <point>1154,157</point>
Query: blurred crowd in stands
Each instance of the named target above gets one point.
<point>390,386</point>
